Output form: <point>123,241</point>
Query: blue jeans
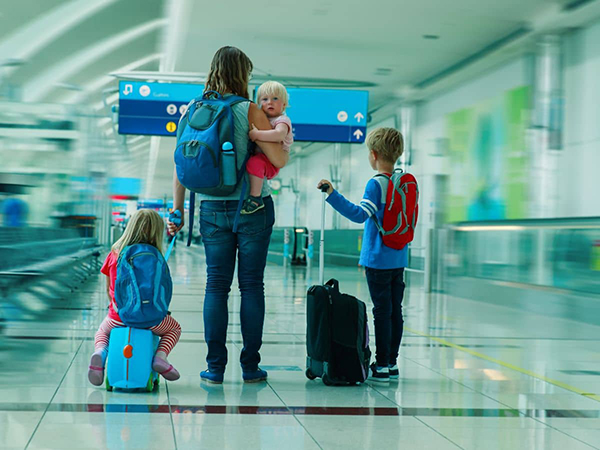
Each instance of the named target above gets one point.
<point>221,244</point>
<point>387,291</point>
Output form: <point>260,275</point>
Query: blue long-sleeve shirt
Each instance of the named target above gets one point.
<point>374,253</point>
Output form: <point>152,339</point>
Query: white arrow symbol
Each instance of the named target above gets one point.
<point>358,134</point>
<point>358,116</point>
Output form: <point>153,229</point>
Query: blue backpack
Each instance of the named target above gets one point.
<point>205,157</point>
<point>143,288</point>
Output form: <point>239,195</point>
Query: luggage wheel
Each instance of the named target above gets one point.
<point>326,380</point>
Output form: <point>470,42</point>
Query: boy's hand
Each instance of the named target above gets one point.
<point>253,133</point>
<point>322,182</point>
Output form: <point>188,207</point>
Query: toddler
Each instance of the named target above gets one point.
<point>144,227</point>
<point>273,99</point>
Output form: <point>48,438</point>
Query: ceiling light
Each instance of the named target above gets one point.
<point>383,71</point>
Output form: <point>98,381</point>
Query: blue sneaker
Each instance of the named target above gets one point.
<point>379,374</point>
<point>255,377</point>
<point>394,372</point>
<point>211,377</point>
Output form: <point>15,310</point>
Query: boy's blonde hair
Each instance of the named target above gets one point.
<point>387,143</point>
<point>273,88</point>
<point>144,227</point>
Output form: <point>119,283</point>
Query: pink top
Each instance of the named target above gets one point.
<point>289,137</point>
<point>109,268</point>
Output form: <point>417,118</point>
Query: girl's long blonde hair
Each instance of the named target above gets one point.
<point>229,72</point>
<point>144,227</point>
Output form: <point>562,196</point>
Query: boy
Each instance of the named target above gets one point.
<point>384,266</point>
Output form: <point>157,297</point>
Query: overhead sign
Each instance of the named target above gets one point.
<point>328,115</point>
<point>153,108</point>
<point>317,115</point>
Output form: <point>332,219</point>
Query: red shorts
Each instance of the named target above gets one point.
<point>260,166</point>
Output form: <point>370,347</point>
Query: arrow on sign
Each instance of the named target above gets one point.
<point>358,134</point>
<point>358,116</point>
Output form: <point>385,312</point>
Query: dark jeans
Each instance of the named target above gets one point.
<point>387,291</point>
<point>250,244</point>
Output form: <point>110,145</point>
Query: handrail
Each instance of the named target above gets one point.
<point>559,223</point>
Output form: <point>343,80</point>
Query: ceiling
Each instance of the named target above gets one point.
<point>62,51</point>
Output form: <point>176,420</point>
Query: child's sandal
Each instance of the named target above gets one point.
<point>163,367</point>
<point>96,370</point>
<point>251,206</point>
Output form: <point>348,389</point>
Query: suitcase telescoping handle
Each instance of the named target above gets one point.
<point>324,189</point>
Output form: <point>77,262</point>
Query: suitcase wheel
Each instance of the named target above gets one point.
<point>326,380</point>
<point>310,375</point>
<point>150,383</point>
<point>109,388</point>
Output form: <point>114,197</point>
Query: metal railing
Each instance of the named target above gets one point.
<point>548,253</point>
<point>40,268</point>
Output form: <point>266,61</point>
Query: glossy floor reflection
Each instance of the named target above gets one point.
<point>472,375</point>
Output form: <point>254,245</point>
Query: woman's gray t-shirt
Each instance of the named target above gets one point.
<point>240,139</point>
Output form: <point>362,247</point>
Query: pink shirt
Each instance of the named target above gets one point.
<point>289,137</point>
<point>109,268</point>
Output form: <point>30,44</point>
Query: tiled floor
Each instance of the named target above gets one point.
<point>507,385</point>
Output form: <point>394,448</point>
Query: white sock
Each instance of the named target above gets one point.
<point>162,355</point>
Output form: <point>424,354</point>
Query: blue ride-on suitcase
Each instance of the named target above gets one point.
<point>130,354</point>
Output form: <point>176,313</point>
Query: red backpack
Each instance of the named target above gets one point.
<point>401,194</point>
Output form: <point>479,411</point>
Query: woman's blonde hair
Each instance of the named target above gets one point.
<point>144,227</point>
<point>229,72</point>
<point>273,88</point>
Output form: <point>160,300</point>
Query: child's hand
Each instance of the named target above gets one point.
<point>323,182</point>
<point>253,133</point>
<point>175,223</point>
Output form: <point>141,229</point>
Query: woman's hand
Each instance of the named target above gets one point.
<point>328,183</point>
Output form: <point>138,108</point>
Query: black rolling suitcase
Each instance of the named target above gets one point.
<point>337,335</point>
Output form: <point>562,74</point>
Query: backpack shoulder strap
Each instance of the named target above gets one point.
<point>234,99</point>
<point>383,181</point>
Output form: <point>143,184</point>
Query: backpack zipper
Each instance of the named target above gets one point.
<point>131,258</point>
<point>195,142</point>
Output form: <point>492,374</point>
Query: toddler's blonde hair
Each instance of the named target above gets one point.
<point>273,88</point>
<point>144,227</point>
<point>387,143</point>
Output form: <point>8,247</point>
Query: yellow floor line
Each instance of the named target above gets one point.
<point>508,365</point>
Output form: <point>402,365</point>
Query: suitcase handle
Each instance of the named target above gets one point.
<point>335,284</point>
<point>324,188</point>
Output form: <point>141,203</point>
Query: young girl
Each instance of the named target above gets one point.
<point>273,99</point>
<point>144,227</point>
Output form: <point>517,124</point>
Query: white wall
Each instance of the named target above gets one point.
<point>431,123</point>
<point>581,153</point>
<point>580,158</point>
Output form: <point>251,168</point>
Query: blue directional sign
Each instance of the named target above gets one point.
<point>153,108</point>
<point>317,115</point>
<point>328,115</point>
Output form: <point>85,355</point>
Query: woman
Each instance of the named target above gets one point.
<point>229,74</point>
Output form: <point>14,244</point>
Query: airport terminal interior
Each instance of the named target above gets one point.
<point>498,107</point>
